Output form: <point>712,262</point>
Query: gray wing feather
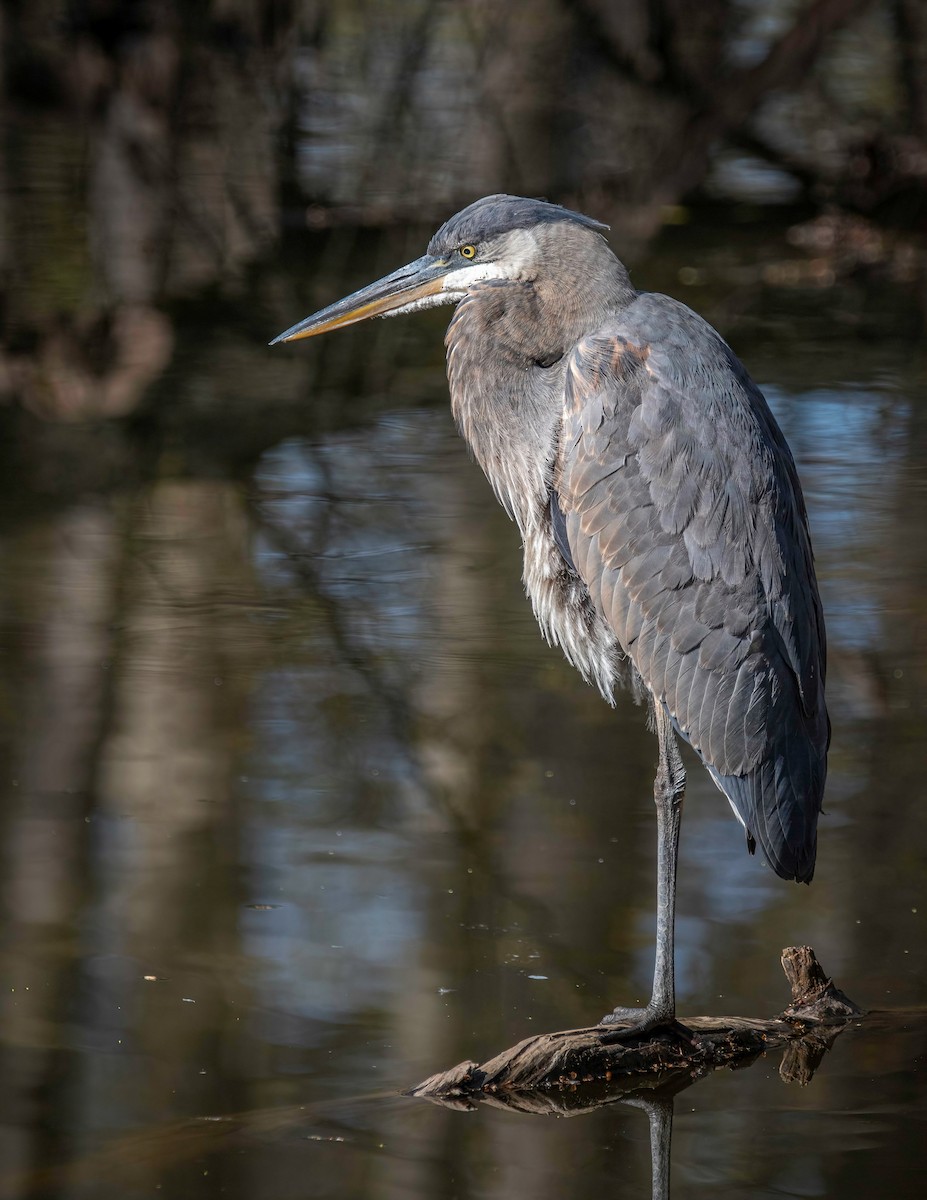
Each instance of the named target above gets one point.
<point>685,520</point>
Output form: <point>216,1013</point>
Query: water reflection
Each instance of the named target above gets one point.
<point>297,805</point>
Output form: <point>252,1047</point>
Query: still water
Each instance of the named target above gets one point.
<point>296,808</point>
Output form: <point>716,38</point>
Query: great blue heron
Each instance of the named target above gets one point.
<point>665,534</point>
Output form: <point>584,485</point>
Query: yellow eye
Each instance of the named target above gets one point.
<point>468,251</point>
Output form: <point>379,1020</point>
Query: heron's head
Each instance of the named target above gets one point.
<point>494,239</point>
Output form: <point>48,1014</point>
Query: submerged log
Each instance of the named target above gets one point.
<point>806,1028</point>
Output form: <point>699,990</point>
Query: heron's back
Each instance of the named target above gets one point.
<point>685,521</point>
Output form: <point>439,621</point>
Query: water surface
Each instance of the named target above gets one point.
<point>297,808</point>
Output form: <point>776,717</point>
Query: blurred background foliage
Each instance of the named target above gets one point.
<point>153,155</point>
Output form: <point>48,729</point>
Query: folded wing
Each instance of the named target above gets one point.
<point>684,517</point>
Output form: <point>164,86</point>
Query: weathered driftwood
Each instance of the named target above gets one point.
<point>671,1058</point>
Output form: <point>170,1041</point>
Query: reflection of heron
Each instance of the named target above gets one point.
<point>664,529</point>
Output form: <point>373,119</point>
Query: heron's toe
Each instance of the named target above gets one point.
<point>634,1018</point>
<point>628,1023</point>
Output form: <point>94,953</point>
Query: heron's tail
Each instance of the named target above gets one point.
<point>778,804</point>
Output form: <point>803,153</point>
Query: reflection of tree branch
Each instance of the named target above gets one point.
<point>474,839</point>
<point>414,47</point>
<point>752,142</point>
<point>740,92</point>
<point>725,110</point>
<point>790,58</point>
<point>494,107</point>
<point>643,68</point>
<point>910,18</point>
<point>398,715</point>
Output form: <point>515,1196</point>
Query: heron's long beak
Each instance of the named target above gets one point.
<point>408,288</point>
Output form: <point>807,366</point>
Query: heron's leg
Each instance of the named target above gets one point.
<point>669,788</point>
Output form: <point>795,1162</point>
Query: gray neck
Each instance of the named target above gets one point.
<point>507,407</point>
<point>507,350</point>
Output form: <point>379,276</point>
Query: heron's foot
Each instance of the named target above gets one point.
<point>635,1022</point>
